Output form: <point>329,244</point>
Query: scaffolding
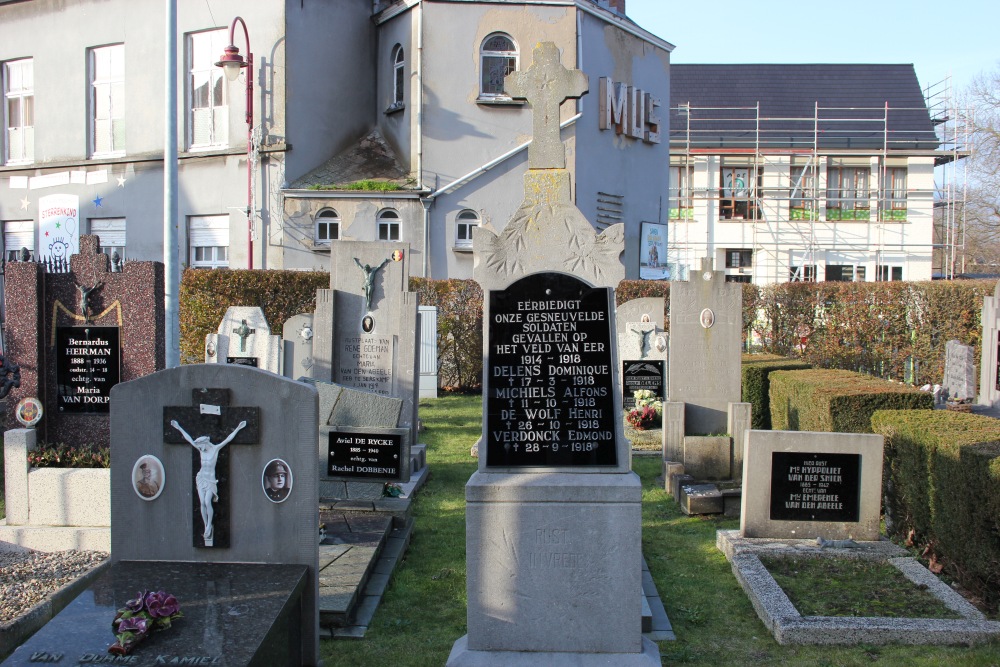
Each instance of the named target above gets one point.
<point>785,199</point>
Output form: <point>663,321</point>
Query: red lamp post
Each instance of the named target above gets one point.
<point>232,62</point>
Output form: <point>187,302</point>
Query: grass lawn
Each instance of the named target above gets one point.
<point>423,611</point>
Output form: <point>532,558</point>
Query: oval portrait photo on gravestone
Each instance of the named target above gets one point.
<point>148,477</point>
<point>368,324</point>
<point>277,480</point>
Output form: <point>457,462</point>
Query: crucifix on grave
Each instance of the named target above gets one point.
<point>208,425</point>
<point>546,84</point>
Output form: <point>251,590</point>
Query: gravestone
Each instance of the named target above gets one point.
<point>366,334</point>
<point>807,485</point>
<point>252,600</point>
<point>296,346</point>
<point>553,514</point>
<point>989,377</point>
<point>642,345</point>
<point>76,335</point>
<point>244,338</point>
<point>959,371</point>
<point>704,382</point>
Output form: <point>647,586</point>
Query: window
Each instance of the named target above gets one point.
<point>388,225</point>
<point>208,241</point>
<point>847,193</point>
<point>18,234</point>
<point>107,100</point>
<point>805,273</point>
<point>738,193</point>
<point>398,78</point>
<point>679,191</point>
<point>467,220</point>
<point>497,59</point>
<point>738,279</point>
<point>327,226</point>
<point>208,119</point>
<point>111,232</point>
<point>893,196</point>
<point>885,273</point>
<point>802,195</point>
<point>19,110</point>
<point>845,273</point>
<point>739,259</point>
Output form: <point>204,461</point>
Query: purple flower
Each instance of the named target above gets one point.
<point>133,624</point>
<point>135,606</point>
<point>160,604</point>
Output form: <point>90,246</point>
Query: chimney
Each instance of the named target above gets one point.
<point>617,6</point>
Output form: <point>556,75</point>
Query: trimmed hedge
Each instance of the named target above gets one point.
<point>836,401</point>
<point>459,330</point>
<point>756,384</point>
<point>942,481</point>
<point>205,294</point>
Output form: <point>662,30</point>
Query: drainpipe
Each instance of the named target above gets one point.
<point>420,133</point>
<point>427,202</point>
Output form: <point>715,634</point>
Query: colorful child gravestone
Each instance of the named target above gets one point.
<point>553,514</point>
<point>213,499</point>
<point>87,330</point>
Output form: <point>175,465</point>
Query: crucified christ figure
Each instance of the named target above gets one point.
<point>208,485</point>
<point>369,279</point>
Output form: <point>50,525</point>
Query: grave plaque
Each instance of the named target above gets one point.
<point>88,365</point>
<point>809,486</point>
<point>366,454</point>
<point>242,361</point>
<point>366,363</point>
<point>551,385</point>
<point>641,374</point>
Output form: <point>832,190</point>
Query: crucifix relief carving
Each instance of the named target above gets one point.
<point>546,84</point>
<point>209,425</point>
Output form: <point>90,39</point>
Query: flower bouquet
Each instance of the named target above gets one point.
<point>641,418</point>
<point>146,613</point>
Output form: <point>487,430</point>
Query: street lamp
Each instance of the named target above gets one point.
<point>231,63</point>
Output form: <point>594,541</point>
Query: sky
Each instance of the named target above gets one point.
<point>955,37</point>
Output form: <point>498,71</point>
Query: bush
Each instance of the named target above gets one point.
<point>459,330</point>
<point>942,481</point>
<point>65,456</point>
<point>836,401</point>
<point>756,384</point>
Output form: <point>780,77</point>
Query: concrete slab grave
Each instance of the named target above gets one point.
<point>226,520</point>
<point>244,338</point>
<point>553,513</point>
<point>798,484</point>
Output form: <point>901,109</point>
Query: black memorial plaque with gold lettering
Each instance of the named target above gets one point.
<point>88,365</point>
<point>551,388</point>
<point>815,487</point>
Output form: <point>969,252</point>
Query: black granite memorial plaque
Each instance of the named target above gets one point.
<point>369,456</point>
<point>997,376</point>
<point>88,365</point>
<point>242,361</point>
<point>643,374</point>
<point>815,487</point>
<point>551,388</point>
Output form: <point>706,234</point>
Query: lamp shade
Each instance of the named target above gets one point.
<point>231,62</point>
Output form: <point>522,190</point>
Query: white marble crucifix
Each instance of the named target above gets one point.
<point>546,84</point>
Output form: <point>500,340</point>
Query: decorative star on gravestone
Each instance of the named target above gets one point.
<point>546,84</point>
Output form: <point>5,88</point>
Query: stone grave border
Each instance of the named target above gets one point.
<point>789,627</point>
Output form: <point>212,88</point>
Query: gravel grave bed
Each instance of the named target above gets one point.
<point>27,578</point>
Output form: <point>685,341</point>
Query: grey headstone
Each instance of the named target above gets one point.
<point>959,371</point>
<point>706,323</point>
<point>244,338</point>
<point>297,346</point>
<point>989,377</point>
<point>260,531</point>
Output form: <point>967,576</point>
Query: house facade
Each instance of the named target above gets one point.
<point>372,120</point>
<point>801,173</point>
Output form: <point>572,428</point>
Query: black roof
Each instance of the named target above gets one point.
<point>852,103</point>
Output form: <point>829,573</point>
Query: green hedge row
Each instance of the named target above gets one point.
<point>756,384</point>
<point>459,329</point>
<point>942,481</point>
<point>836,401</point>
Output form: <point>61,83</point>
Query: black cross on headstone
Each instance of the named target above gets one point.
<point>205,425</point>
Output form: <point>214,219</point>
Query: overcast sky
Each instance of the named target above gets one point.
<point>956,37</point>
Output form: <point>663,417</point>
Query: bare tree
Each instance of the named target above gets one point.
<point>982,205</point>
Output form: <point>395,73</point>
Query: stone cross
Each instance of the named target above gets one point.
<point>211,419</point>
<point>545,85</point>
<point>244,332</point>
